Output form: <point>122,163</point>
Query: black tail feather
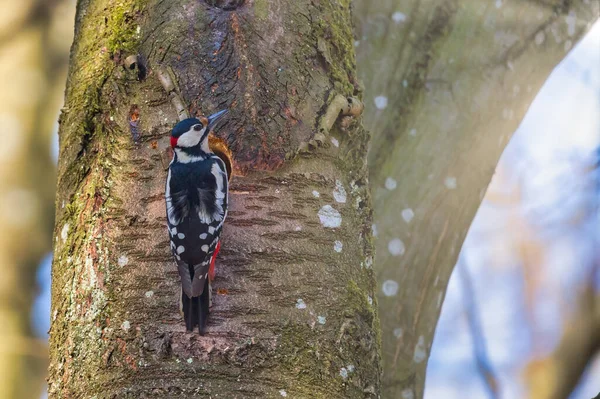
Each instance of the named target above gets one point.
<point>196,310</point>
<point>203,308</point>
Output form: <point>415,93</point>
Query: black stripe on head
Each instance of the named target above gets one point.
<point>184,126</point>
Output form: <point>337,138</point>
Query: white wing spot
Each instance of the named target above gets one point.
<point>181,236</point>
<point>389,288</point>
<point>330,217</point>
<point>180,249</point>
<point>204,248</point>
<point>211,230</point>
<point>203,236</point>
<point>396,247</point>
<point>390,183</point>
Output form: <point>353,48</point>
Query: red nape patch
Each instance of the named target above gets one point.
<point>173,142</point>
<point>211,269</point>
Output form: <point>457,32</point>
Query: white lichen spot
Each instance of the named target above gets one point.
<point>540,37</point>
<point>381,102</point>
<point>283,393</point>
<point>339,192</point>
<point>498,3</point>
<point>391,183</point>
<point>344,373</point>
<point>369,262</point>
<point>298,228</point>
<point>335,142</point>
<point>413,132</point>
<point>356,43</point>
<point>396,247</point>
<point>64,233</point>
<point>190,360</point>
<point>338,246</point>
<point>300,304</point>
<point>408,215</point>
<point>507,113</point>
<point>316,194</point>
<point>398,17</point>
<point>398,332</point>
<point>405,83</point>
<point>439,299</point>
<point>180,249</point>
<point>123,260</point>
<point>571,21</point>
<point>420,350</point>
<point>126,325</point>
<point>389,288</point>
<point>374,230</point>
<point>408,394</point>
<point>321,319</point>
<point>450,182</point>
<point>330,217</point>
<point>350,368</point>
<point>149,294</point>
<point>370,300</point>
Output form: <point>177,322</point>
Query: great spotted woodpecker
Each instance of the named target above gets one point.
<point>196,199</point>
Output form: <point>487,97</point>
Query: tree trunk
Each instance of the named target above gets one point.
<point>446,85</point>
<point>293,310</point>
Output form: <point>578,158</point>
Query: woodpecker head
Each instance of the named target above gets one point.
<point>193,132</point>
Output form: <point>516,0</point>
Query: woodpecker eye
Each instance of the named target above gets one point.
<point>197,127</point>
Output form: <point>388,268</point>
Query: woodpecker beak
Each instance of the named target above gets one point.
<point>214,118</point>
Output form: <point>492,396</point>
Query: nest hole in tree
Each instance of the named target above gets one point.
<point>220,148</point>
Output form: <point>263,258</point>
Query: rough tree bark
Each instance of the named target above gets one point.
<point>293,311</point>
<point>446,84</point>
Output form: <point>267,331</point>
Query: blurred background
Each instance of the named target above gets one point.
<point>520,305</point>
